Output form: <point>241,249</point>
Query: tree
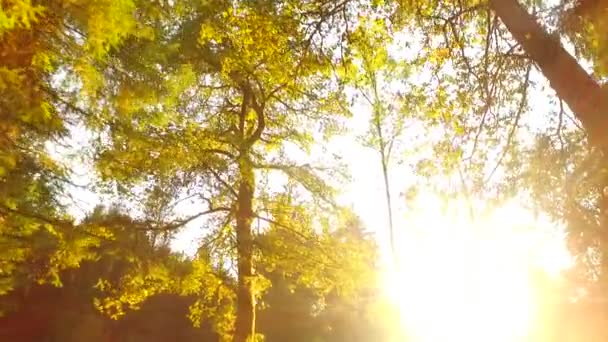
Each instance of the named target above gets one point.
<point>585,27</point>
<point>483,63</point>
<point>205,113</point>
<point>202,111</point>
<point>373,73</point>
<point>39,41</point>
<point>571,82</point>
<point>45,312</point>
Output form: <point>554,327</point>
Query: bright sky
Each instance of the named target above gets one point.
<point>460,279</point>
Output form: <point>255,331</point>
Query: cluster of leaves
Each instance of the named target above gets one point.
<point>584,22</point>
<point>129,258</point>
<point>471,94</point>
<point>37,42</point>
<point>134,271</point>
<point>321,271</point>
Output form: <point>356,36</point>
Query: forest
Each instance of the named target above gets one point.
<point>304,170</point>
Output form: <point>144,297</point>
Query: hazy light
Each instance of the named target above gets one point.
<point>465,279</point>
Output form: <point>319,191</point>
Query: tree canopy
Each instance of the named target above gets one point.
<point>219,117</point>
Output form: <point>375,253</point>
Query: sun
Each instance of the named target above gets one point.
<point>464,279</point>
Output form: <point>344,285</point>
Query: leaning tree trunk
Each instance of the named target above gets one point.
<point>571,82</point>
<point>245,306</point>
<point>566,76</point>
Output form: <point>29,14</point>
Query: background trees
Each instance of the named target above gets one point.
<point>39,43</point>
<point>290,308</point>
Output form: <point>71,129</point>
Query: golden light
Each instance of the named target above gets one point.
<point>470,279</point>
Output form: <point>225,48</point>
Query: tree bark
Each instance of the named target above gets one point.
<point>572,84</point>
<point>566,76</point>
<point>245,306</point>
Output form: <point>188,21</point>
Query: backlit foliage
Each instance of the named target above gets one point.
<point>203,107</point>
<point>38,41</point>
<point>212,115</point>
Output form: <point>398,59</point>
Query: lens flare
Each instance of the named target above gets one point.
<point>464,279</point>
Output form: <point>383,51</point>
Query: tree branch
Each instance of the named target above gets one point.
<point>261,120</point>
<point>148,226</point>
<point>520,110</point>
<point>223,182</point>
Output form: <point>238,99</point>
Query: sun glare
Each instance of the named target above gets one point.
<point>470,279</point>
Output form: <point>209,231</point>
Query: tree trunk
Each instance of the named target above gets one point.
<point>389,206</point>
<point>571,82</point>
<point>245,306</point>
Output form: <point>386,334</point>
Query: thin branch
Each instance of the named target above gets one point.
<point>219,151</point>
<point>479,131</point>
<point>220,235</point>
<point>180,223</point>
<point>56,222</point>
<point>175,203</point>
<point>68,104</point>
<point>52,221</point>
<point>520,110</point>
<point>560,124</point>
<point>284,226</point>
<point>261,120</point>
<point>223,182</point>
